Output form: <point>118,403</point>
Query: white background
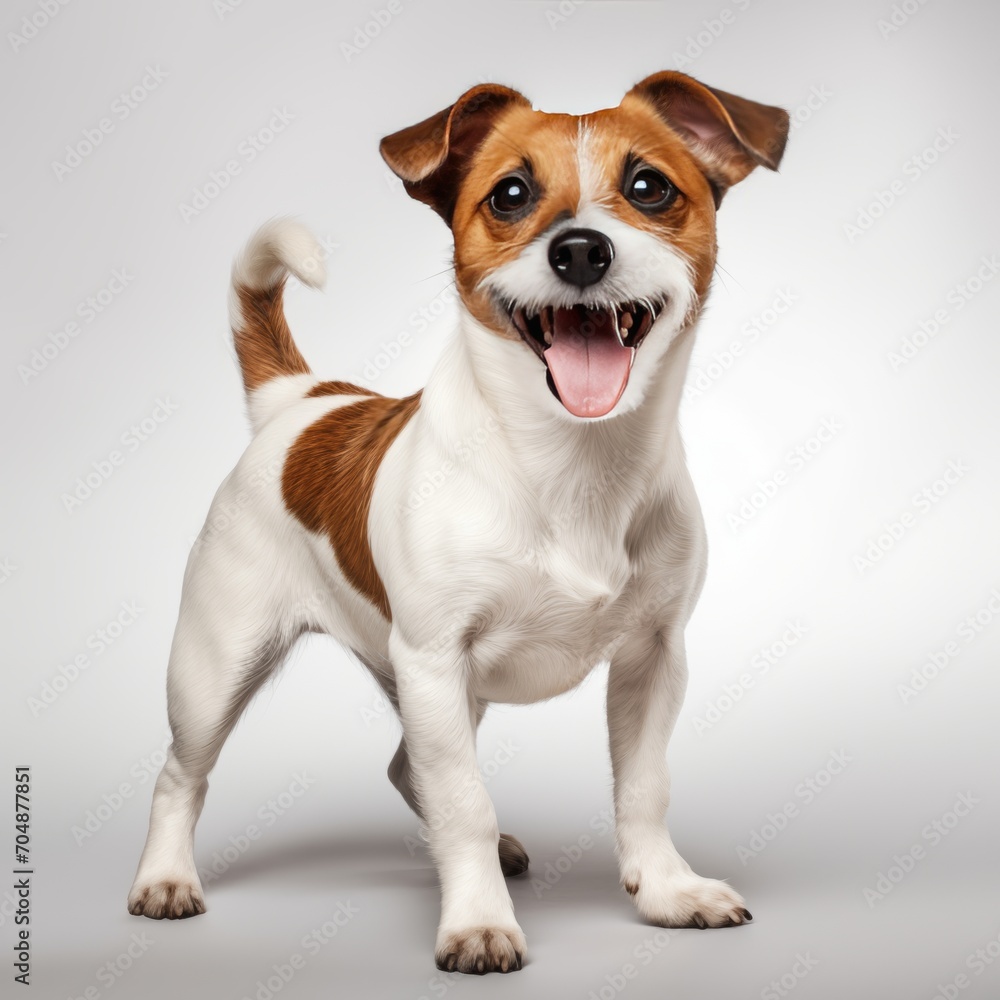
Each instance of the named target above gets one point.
<point>869,100</point>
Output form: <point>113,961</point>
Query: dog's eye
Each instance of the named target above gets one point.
<point>649,190</point>
<point>510,198</point>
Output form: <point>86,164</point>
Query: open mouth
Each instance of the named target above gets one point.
<point>587,350</point>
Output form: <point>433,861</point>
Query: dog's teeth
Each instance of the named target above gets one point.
<point>626,321</point>
<point>546,320</point>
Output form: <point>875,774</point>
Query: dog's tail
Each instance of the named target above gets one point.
<point>263,341</point>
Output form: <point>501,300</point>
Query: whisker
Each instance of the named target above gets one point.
<point>719,268</point>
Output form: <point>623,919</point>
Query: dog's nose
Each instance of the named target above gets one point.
<point>581,256</point>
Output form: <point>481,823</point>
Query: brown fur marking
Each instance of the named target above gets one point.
<point>264,343</point>
<point>340,389</point>
<point>330,473</point>
<point>549,142</point>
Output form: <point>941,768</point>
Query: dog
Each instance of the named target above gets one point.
<point>492,538</point>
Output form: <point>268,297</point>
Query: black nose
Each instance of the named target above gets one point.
<point>581,256</point>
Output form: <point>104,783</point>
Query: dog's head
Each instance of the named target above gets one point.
<point>588,240</point>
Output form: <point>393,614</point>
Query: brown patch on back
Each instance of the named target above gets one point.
<point>339,389</point>
<point>264,343</point>
<point>329,476</point>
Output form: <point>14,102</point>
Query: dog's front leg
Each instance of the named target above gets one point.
<point>477,932</point>
<point>645,689</point>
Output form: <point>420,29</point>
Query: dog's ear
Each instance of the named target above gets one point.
<point>728,135</point>
<point>432,156</point>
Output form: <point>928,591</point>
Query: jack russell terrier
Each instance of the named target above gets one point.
<point>492,538</point>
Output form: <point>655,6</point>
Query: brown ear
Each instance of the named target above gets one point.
<point>431,157</point>
<point>729,135</point>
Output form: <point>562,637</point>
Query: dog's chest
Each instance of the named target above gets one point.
<point>549,622</point>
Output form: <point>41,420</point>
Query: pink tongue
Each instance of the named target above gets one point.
<point>589,366</point>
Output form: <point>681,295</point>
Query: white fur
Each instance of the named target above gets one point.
<point>545,544</point>
<point>280,247</point>
<point>643,268</point>
<point>588,168</point>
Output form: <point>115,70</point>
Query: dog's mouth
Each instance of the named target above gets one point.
<point>587,350</point>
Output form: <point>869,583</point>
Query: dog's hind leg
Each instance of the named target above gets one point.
<point>229,639</point>
<point>513,856</point>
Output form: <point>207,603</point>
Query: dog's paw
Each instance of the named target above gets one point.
<point>478,950</point>
<point>169,898</point>
<point>688,900</point>
<point>513,856</point>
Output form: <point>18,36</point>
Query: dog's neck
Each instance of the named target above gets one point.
<point>487,397</point>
